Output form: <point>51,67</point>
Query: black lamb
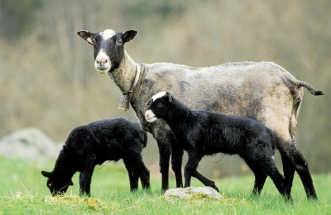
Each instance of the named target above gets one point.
<point>203,133</point>
<point>95,143</point>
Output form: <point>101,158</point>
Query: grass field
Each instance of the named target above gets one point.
<point>23,191</point>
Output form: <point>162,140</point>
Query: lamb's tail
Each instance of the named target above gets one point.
<point>308,86</point>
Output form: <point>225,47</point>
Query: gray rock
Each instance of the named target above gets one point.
<point>192,193</point>
<point>30,143</point>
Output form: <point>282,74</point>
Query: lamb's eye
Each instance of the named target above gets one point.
<point>159,105</point>
<point>50,185</point>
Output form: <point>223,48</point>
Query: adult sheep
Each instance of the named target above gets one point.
<point>92,144</point>
<point>263,91</point>
<point>203,133</point>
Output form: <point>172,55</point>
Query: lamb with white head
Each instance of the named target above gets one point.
<point>203,133</point>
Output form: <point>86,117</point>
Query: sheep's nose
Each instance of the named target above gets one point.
<point>146,115</point>
<point>102,61</point>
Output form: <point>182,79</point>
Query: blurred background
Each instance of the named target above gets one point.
<point>48,81</point>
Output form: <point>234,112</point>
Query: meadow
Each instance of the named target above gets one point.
<point>23,191</point>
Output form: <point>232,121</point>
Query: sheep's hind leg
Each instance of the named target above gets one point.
<point>289,170</point>
<point>137,165</point>
<point>269,166</point>
<point>133,177</point>
<point>145,176</point>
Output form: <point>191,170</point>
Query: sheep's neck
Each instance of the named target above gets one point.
<point>180,113</point>
<point>125,74</point>
<point>65,165</point>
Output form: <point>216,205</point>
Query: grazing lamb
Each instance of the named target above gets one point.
<point>95,143</point>
<point>263,91</point>
<point>203,133</point>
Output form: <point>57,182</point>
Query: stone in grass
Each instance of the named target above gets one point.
<point>192,193</point>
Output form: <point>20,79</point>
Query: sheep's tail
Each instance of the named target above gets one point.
<point>143,138</point>
<point>308,86</point>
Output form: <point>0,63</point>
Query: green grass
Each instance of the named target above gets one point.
<point>23,191</point>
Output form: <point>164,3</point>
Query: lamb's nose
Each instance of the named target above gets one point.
<point>146,115</point>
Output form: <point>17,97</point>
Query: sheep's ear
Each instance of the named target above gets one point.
<point>170,98</point>
<point>86,35</point>
<point>47,174</point>
<point>129,35</point>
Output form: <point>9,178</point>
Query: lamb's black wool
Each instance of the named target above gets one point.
<point>203,133</point>
<point>94,143</point>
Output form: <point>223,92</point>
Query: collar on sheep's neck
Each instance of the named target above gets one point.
<point>125,99</point>
<point>135,80</point>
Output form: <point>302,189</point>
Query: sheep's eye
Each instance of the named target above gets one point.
<point>50,185</point>
<point>119,42</point>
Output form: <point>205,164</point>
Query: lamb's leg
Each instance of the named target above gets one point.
<point>204,180</point>
<point>260,177</point>
<point>176,161</point>
<point>85,178</point>
<point>269,166</point>
<point>145,178</point>
<point>289,170</point>
<point>164,151</point>
<point>133,177</point>
<point>137,165</point>
<point>301,166</point>
<point>191,166</point>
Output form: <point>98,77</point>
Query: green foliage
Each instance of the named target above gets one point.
<point>26,193</point>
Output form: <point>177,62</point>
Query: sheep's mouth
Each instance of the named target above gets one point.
<point>102,70</point>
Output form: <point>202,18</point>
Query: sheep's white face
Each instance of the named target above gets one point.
<point>102,62</point>
<point>108,47</point>
<point>154,104</point>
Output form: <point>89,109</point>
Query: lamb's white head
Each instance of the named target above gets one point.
<point>157,106</point>
<point>108,47</point>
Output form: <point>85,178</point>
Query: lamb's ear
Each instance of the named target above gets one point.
<point>149,102</point>
<point>86,35</point>
<point>129,35</point>
<point>47,174</point>
<point>170,98</point>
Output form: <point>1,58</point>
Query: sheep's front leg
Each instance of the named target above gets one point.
<point>204,180</point>
<point>191,166</point>
<point>176,161</point>
<point>164,152</point>
<point>85,176</point>
<point>85,179</point>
